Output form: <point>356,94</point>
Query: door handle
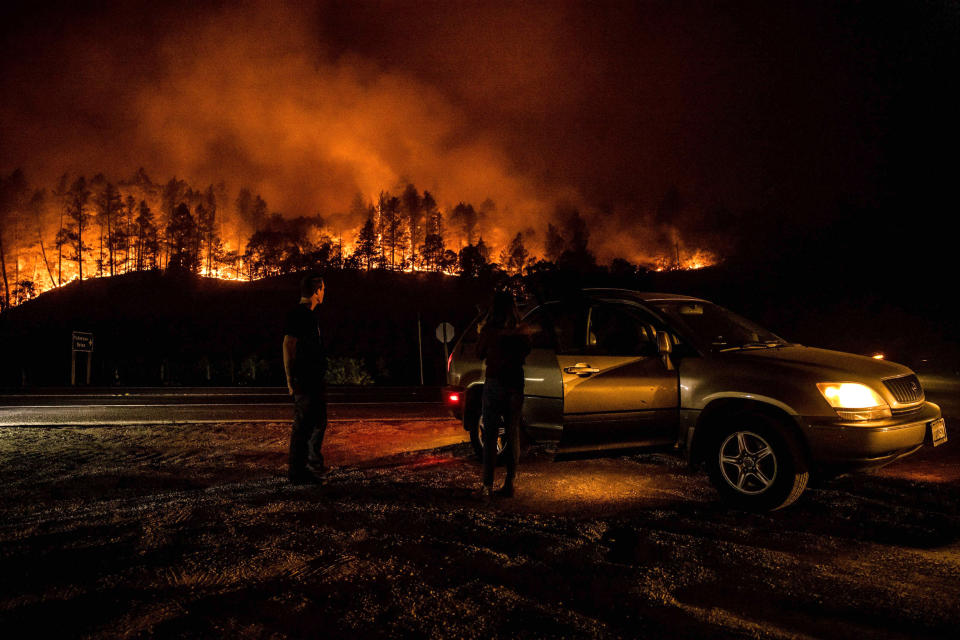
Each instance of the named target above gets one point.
<point>581,369</point>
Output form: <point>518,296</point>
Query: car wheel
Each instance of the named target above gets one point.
<point>476,437</point>
<point>755,465</point>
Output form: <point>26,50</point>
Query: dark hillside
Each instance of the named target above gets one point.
<point>162,329</point>
<point>153,329</point>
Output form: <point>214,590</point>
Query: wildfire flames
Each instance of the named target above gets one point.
<point>256,97</point>
<point>699,259</point>
<point>90,229</point>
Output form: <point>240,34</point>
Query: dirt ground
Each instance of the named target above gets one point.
<point>191,531</point>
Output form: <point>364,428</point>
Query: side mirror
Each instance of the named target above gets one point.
<point>664,343</point>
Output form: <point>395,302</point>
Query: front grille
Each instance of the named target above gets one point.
<point>908,412</point>
<point>905,389</point>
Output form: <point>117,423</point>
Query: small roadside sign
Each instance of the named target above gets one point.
<point>445,335</point>
<point>82,341</point>
<point>445,332</point>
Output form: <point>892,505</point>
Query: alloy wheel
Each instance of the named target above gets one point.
<point>747,462</point>
<point>501,435</point>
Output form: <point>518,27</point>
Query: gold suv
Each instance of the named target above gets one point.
<point>620,369</point>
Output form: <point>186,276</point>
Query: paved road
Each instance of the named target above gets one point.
<point>266,404</point>
<point>86,407</point>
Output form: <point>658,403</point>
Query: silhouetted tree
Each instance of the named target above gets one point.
<point>284,246</point>
<point>147,243</point>
<point>514,257</point>
<point>181,240</point>
<point>123,232</point>
<point>466,217</point>
<point>448,263</point>
<point>574,229</point>
<point>622,268</point>
<point>62,194</point>
<point>174,193</point>
<point>37,205</point>
<point>433,243</point>
<point>210,246</point>
<point>365,250</point>
<point>77,221</point>
<point>107,203</point>
<point>576,257</point>
<point>393,234</point>
<point>25,290</point>
<point>432,252</point>
<point>264,253</point>
<point>555,244</point>
<point>474,259</point>
<point>412,206</point>
<point>13,190</point>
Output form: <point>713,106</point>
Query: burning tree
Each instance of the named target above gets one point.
<point>71,233</point>
<point>107,205</point>
<point>13,188</point>
<point>393,234</point>
<point>147,241</point>
<point>412,206</point>
<point>466,216</point>
<point>181,241</point>
<point>514,257</point>
<point>366,248</point>
<point>145,225</point>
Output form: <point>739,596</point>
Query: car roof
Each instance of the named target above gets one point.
<point>643,296</point>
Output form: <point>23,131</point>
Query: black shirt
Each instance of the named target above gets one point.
<point>505,351</point>
<point>309,364</point>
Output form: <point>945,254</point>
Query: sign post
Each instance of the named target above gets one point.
<point>445,335</point>
<point>420,345</point>
<point>81,341</point>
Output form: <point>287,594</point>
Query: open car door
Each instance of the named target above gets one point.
<point>617,390</point>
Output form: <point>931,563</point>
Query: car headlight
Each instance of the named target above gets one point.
<point>854,401</point>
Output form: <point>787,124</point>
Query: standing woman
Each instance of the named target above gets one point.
<point>504,344</point>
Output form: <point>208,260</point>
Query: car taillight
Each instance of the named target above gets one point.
<point>453,398</point>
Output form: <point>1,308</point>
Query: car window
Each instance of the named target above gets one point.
<point>562,327</point>
<point>716,327</point>
<point>618,330</point>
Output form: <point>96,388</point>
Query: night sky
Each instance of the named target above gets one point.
<point>775,123</point>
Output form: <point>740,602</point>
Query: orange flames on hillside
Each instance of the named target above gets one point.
<point>39,251</point>
<point>699,259</point>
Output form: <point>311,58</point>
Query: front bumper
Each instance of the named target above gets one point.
<point>869,443</point>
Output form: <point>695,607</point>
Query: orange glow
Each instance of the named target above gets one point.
<point>878,356</point>
<point>233,233</point>
<point>699,259</point>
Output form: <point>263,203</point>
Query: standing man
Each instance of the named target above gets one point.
<point>305,362</point>
<point>503,345</point>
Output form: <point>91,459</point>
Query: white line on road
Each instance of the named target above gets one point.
<point>133,423</point>
<point>204,404</point>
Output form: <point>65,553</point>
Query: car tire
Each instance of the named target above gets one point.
<point>476,438</point>
<point>756,464</point>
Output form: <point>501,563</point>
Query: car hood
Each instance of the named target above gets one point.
<point>825,364</point>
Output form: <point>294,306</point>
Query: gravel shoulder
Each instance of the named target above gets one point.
<point>191,531</point>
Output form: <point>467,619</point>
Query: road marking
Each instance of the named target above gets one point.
<point>205,404</point>
<point>133,423</point>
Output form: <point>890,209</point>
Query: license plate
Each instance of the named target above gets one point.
<point>938,431</point>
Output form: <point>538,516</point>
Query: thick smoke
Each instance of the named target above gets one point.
<point>536,107</point>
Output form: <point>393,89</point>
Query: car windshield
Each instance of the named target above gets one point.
<point>717,328</point>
